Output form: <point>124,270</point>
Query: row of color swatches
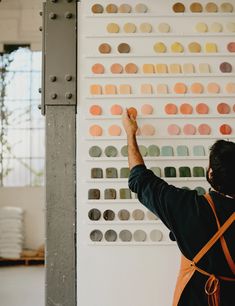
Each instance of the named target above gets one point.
<point>151,151</point>
<point>197,7</point>
<point>122,9</point>
<point>178,88</point>
<point>169,109</point>
<point>145,27</point>
<point>173,130</point>
<point>126,236</point>
<point>187,68</point>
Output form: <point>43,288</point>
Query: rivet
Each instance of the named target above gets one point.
<point>52,16</point>
<point>40,90</point>
<point>40,13</point>
<point>39,106</point>
<point>53,96</point>
<point>52,78</point>
<point>68,95</point>
<point>40,28</point>
<point>68,77</point>
<point>68,15</point>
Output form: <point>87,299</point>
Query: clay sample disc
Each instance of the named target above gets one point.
<point>213,88</point>
<point>186,109</point>
<point>223,108</point>
<point>131,68</point>
<point>146,109</point>
<point>189,129</point>
<point>114,130</point>
<point>97,68</point>
<point>231,26</point>
<point>95,110</point>
<point>194,47</point>
<point>147,130</point>
<point>180,88</point>
<point>97,9</point>
<point>201,27</point>
<point>160,47</point>
<point>116,68</point>
<point>113,28</point>
<point>111,8</point>
<point>125,236</point>
<point>197,88</point>
<point>129,28</point>
<point>124,48</point>
<point>173,129</point>
<point>164,28</point>
<point>146,28</point>
<point>226,7</point>
<point>196,7</point>
<point>225,129</point>
<point>96,130</point>
<point>211,7</point>
<point>116,110</point>
<point>230,88</point>
<point>226,67</point>
<point>105,48</point>
<point>177,47</point>
<point>141,8</point>
<point>216,27</point>
<point>178,7</point>
<point>231,47</point>
<point>124,8</point>
<point>171,109</point>
<point>202,109</point>
<point>204,129</point>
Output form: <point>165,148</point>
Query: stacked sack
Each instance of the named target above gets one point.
<point>11,232</point>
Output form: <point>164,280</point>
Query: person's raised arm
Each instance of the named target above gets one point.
<point>131,127</point>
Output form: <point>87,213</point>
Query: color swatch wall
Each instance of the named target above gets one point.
<point>174,62</point>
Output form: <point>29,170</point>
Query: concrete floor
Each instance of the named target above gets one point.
<point>22,286</point>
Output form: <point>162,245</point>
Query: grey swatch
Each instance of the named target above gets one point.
<point>95,151</point>
<point>110,236</point>
<point>96,235</point>
<point>153,150</point>
<point>93,194</point>
<point>125,235</point>
<point>167,151</point>
<point>139,236</point>
<point>110,194</point>
<point>182,150</point>
<point>111,151</point>
<point>96,173</point>
<point>111,173</point>
<point>94,214</point>
<point>124,215</point>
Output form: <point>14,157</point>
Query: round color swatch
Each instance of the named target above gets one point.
<point>151,216</point>
<point>114,130</point>
<point>138,214</point>
<point>139,236</point>
<point>95,151</point>
<point>98,68</point>
<point>116,68</point>
<point>97,9</point>
<point>124,8</point>
<point>231,47</point>
<point>104,48</point>
<point>164,27</point>
<point>146,28</point>
<point>231,26</point>
<point>110,236</point>
<point>111,8</point>
<point>141,8</point>
<point>96,130</point>
<point>146,109</point>
<point>223,108</point>
<point>204,129</point>
<point>94,214</point>
<point>111,151</point>
<point>147,130</point>
<point>225,129</point>
<point>202,109</point>
<point>171,109</point>
<point>123,215</point>
<point>116,109</point>
<point>131,68</point>
<point>109,215</point>
<point>194,47</point>
<point>143,150</point>
<point>156,235</point>
<point>213,88</point>
<point>124,48</point>
<point>230,88</point>
<point>197,88</point>
<point>153,150</point>
<point>96,235</point>
<point>180,88</point>
<point>186,109</point>
<point>173,129</point>
<point>159,47</point>
<point>201,27</point>
<point>216,27</point>
<point>178,7</point>
<point>196,7</point>
<point>95,110</point>
<point>132,112</point>
<point>226,7</point>
<point>125,236</point>
<point>211,7</point>
<point>189,129</point>
<point>226,67</point>
<point>124,151</point>
<point>129,28</point>
<point>113,28</point>
<point>177,47</point>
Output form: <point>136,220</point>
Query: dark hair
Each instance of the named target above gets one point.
<point>222,163</point>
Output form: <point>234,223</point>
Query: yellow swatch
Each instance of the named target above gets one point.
<point>130,28</point>
<point>145,28</point>
<point>194,47</point>
<point>113,28</point>
<point>177,47</point>
<point>160,47</point>
<point>211,48</point>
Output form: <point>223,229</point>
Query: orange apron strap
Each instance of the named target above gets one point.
<point>224,245</point>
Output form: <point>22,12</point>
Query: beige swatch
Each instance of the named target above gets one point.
<point>211,48</point>
<point>95,89</point>
<point>201,27</point>
<point>188,68</point>
<point>175,68</point>
<point>211,7</point>
<point>231,26</point>
<point>161,68</point>
<point>230,88</point>
<point>124,8</point>
<point>160,47</point>
<point>164,28</point>
<point>146,28</point>
<point>113,28</point>
<point>110,89</point>
<point>129,28</point>
<point>226,7</point>
<point>148,68</point>
<point>146,89</point>
<point>194,47</point>
<point>141,8</point>
<point>124,89</point>
<point>162,89</point>
<point>216,27</point>
<point>204,68</point>
<point>177,47</point>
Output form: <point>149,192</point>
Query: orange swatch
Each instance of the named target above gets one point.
<point>110,89</point>
<point>213,88</point>
<point>96,130</point>
<point>186,109</point>
<point>98,68</point>
<point>148,68</point>
<point>132,112</point>
<point>171,109</point>
<point>204,129</point>
<point>189,129</point>
<point>114,130</point>
<point>124,89</point>
<point>202,109</point>
<point>131,68</point>
<point>225,129</point>
<point>116,109</point>
<point>116,68</point>
<point>197,88</point>
<point>223,108</point>
<point>230,88</point>
<point>95,110</point>
<point>180,88</point>
<point>146,109</point>
<point>96,89</point>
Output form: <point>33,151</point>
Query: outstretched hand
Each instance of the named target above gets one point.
<point>129,123</point>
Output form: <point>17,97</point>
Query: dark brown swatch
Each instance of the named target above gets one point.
<point>104,48</point>
<point>124,48</point>
<point>196,7</point>
<point>226,67</point>
<point>178,7</point>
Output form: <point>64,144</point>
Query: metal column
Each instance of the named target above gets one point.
<point>59,107</point>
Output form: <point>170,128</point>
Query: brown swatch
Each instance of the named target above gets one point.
<point>225,129</point>
<point>226,67</point>
<point>98,68</point>
<point>111,9</point>
<point>124,48</point>
<point>196,7</point>
<point>116,68</point>
<point>211,7</point>
<point>223,108</point>
<point>104,48</point>
<point>231,47</point>
<point>97,9</point>
<point>178,7</point>
<point>124,8</point>
<point>226,7</point>
<point>131,68</point>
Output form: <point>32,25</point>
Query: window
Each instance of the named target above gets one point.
<point>21,125</point>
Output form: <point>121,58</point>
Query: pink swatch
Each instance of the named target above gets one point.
<point>147,109</point>
<point>147,130</point>
<point>96,130</point>
<point>173,129</point>
<point>116,109</point>
<point>114,130</point>
<point>204,129</point>
<point>189,129</point>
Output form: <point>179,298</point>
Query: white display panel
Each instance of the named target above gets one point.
<point>113,272</point>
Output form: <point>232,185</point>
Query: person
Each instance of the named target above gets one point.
<point>203,226</point>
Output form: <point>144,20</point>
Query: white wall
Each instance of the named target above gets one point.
<point>31,199</point>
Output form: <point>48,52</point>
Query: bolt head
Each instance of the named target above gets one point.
<point>39,106</point>
<point>40,28</point>
<point>52,78</point>
<point>68,95</point>
<point>53,96</point>
<point>68,15</point>
<point>40,13</point>
<point>40,90</point>
<point>52,16</point>
<point>68,77</point>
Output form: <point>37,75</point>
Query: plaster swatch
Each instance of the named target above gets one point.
<point>139,236</point>
<point>97,9</point>
<point>125,236</point>
<point>148,68</point>
<point>111,172</point>
<point>211,48</point>
<point>170,172</point>
<point>124,172</point>
<point>94,214</point>
<point>182,150</point>
<point>96,130</point>
<point>225,129</point>
<point>146,27</point>
<point>146,109</point>
<point>156,235</point>
<point>161,68</point>
<point>153,150</point>
<point>129,28</point>
<point>116,68</point>
<point>162,89</point>
<point>113,28</point>
<point>178,7</point>
<point>204,68</point>
<point>110,236</point>
<point>124,89</point>
<point>202,108</point>
<point>198,150</point>
<point>114,130</point>
<point>175,68</point>
<point>111,151</point>
<point>95,89</point>
<point>95,151</point>
<point>173,129</point>
<point>124,8</point>
<point>109,215</point>
<point>146,89</point>
<point>93,194</point>
<point>96,235</point>
<point>198,172</point>
<point>110,194</point>
<point>98,68</point>
<point>110,89</point>
<point>95,110</point>
<point>204,129</point>
<point>105,48</point>
<point>111,8</point>
<point>188,68</point>
<point>125,193</point>
<point>171,109</point>
<point>96,173</point>
<point>116,110</point>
